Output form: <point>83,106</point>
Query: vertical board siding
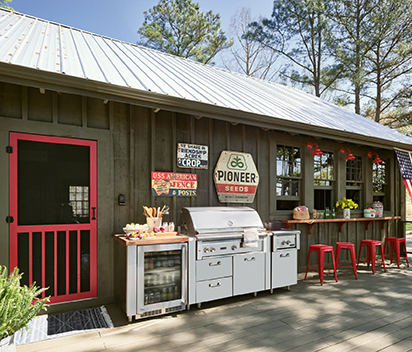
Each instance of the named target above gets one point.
<point>40,106</point>
<point>143,141</point>
<point>70,109</point>
<point>11,100</point>
<point>97,113</point>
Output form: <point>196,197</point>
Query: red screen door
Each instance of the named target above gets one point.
<point>53,210</point>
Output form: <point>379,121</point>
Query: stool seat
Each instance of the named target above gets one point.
<point>370,246</point>
<point>395,243</point>
<point>321,249</point>
<point>351,247</point>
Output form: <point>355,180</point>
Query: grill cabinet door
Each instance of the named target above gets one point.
<point>249,273</point>
<point>284,268</point>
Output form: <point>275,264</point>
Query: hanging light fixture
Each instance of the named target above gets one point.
<point>348,156</point>
<point>377,158</point>
<point>317,151</point>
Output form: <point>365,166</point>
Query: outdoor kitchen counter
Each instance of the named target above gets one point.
<point>161,238</point>
<point>340,221</point>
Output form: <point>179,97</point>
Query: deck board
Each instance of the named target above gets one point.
<point>370,314</point>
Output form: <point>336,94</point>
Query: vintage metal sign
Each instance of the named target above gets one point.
<point>236,178</point>
<point>192,156</point>
<point>174,184</point>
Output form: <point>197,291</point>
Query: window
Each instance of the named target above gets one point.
<point>288,177</point>
<point>379,181</point>
<point>354,180</point>
<point>79,201</point>
<point>324,175</point>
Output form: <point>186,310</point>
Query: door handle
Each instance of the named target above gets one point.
<point>284,255</point>
<point>184,256</point>
<point>93,213</point>
<point>249,260</point>
<point>211,264</point>
<point>217,285</point>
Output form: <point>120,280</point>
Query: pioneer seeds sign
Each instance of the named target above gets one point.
<point>236,178</point>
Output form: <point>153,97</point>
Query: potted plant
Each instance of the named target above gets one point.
<point>346,205</point>
<point>18,305</point>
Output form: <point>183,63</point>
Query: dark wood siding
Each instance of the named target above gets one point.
<point>142,140</point>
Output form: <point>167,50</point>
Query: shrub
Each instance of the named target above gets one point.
<point>18,304</point>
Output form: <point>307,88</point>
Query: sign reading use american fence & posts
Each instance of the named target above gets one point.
<point>236,178</point>
<point>174,184</point>
<point>192,156</point>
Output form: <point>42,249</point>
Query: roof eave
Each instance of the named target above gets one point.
<point>73,85</point>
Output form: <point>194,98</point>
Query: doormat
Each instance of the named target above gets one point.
<point>57,325</point>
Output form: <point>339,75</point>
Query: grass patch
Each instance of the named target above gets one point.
<point>408,226</point>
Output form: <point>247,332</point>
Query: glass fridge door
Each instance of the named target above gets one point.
<point>161,276</point>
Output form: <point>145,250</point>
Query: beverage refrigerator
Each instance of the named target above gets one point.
<point>156,279</point>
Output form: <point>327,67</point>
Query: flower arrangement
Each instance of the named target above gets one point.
<point>346,204</point>
<point>18,304</point>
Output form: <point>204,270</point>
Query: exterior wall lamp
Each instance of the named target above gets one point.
<point>317,151</point>
<point>348,156</point>
<point>376,160</point>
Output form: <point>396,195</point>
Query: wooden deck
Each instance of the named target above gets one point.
<point>373,313</point>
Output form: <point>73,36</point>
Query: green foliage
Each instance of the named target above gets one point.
<point>178,27</point>
<point>3,4</point>
<point>298,31</point>
<point>18,304</point>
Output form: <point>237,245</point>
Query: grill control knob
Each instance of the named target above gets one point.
<point>212,249</point>
<point>206,250</point>
<point>234,247</point>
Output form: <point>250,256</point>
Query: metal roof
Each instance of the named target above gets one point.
<point>34,43</point>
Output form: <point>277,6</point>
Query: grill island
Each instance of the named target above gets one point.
<point>228,252</point>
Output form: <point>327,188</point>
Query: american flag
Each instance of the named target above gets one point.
<point>405,165</point>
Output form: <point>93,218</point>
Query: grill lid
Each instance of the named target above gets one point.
<point>211,220</point>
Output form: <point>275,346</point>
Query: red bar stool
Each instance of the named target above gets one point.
<point>351,247</point>
<point>395,242</point>
<point>371,254</point>
<point>321,249</point>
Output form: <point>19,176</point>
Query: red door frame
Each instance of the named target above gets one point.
<point>14,229</point>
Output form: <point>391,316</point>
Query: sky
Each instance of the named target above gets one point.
<point>121,19</point>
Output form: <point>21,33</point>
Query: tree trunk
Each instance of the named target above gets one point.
<point>378,86</point>
<point>357,83</point>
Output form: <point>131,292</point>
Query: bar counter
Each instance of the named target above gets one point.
<point>340,221</point>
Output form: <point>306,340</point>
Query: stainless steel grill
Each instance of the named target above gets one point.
<point>223,259</point>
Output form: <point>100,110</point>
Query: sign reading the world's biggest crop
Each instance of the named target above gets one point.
<point>236,178</point>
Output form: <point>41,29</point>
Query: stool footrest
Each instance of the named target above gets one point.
<point>325,270</point>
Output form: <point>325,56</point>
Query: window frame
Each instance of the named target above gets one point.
<point>359,184</point>
<point>288,178</point>
<point>332,181</point>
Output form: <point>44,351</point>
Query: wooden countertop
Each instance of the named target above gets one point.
<point>160,238</point>
<point>341,221</point>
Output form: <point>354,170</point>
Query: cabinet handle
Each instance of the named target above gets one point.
<point>249,260</point>
<point>217,285</point>
<point>211,264</point>
<point>285,255</point>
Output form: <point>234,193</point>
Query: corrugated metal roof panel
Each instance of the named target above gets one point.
<point>35,43</point>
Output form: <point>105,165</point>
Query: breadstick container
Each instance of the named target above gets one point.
<point>153,222</point>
